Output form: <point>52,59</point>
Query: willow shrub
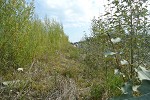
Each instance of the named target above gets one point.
<point>14,18</point>
<point>24,37</point>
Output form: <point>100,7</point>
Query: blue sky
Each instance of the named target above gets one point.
<point>75,15</point>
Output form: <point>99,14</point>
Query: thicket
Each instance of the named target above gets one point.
<point>51,68</point>
<point>119,43</point>
<point>34,54</point>
<point>25,38</point>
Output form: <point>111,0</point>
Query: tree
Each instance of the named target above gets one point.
<point>123,36</point>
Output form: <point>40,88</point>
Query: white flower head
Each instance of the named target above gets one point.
<point>116,71</point>
<point>20,69</point>
<point>116,40</point>
<point>124,62</point>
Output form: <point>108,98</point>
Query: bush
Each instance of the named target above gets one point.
<point>25,38</point>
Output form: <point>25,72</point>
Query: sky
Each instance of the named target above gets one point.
<point>74,15</point>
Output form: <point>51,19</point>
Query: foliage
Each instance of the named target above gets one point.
<point>51,68</point>
<point>119,40</point>
<point>25,38</point>
<point>15,16</point>
<point>143,89</point>
<point>34,54</point>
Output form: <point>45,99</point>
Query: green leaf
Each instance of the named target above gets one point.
<point>144,87</point>
<point>127,92</point>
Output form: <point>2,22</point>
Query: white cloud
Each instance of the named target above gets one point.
<point>75,11</point>
<point>73,14</point>
<point>54,3</point>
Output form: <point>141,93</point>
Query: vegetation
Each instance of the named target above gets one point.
<point>38,62</point>
<point>117,42</point>
<point>33,54</point>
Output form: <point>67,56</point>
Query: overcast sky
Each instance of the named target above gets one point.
<point>75,15</point>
